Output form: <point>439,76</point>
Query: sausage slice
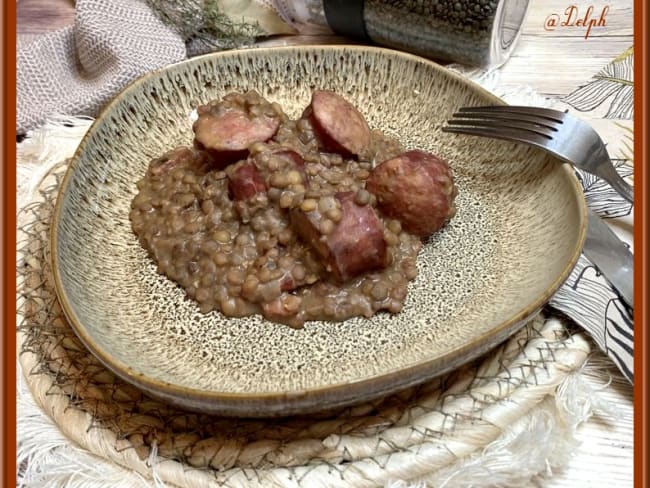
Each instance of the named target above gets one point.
<point>338,124</point>
<point>416,188</point>
<point>233,130</point>
<point>176,158</point>
<point>245,181</point>
<point>291,155</point>
<point>228,127</point>
<point>356,245</point>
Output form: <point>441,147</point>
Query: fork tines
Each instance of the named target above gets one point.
<point>515,109</point>
<point>568,138</point>
<point>530,124</point>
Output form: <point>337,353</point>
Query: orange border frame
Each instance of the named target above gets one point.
<point>8,412</point>
<point>640,243</point>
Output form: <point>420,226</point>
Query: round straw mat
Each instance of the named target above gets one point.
<point>431,434</point>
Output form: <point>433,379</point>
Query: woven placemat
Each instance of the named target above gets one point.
<point>500,420</point>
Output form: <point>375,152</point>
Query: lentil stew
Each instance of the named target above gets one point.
<point>297,220</point>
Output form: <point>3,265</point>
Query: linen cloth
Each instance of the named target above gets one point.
<point>75,71</point>
<point>78,69</point>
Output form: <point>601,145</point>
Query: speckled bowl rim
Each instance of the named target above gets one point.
<point>273,404</point>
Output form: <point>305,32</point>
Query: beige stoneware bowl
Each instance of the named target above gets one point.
<point>518,232</point>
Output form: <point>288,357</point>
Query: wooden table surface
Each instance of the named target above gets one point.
<point>553,63</point>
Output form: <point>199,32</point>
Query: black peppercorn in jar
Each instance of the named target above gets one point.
<point>474,32</point>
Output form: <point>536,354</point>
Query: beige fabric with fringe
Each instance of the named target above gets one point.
<point>502,420</point>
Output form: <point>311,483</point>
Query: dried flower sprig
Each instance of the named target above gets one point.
<point>204,25</point>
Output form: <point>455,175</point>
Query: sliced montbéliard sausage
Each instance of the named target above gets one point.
<point>339,126</point>
<point>227,128</point>
<point>179,157</point>
<point>354,246</point>
<point>234,130</point>
<point>416,188</point>
<point>291,155</point>
<point>278,159</point>
<point>245,181</point>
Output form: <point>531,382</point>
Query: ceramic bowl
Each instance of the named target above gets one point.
<point>518,232</point>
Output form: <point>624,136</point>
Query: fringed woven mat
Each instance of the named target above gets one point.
<point>502,420</point>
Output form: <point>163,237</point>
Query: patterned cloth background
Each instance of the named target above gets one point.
<point>607,103</point>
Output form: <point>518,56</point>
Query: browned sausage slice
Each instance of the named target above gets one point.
<point>233,130</point>
<point>356,245</point>
<point>279,161</point>
<point>291,155</point>
<point>226,128</point>
<point>288,280</point>
<point>245,181</point>
<point>296,159</point>
<point>338,124</point>
<point>176,158</point>
<point>416,188</point>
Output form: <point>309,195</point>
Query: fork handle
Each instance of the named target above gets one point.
<point>611,176</point>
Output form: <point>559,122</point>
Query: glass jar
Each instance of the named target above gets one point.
<point>474,32</point>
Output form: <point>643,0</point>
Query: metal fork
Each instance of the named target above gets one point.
<point>558,133</point>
